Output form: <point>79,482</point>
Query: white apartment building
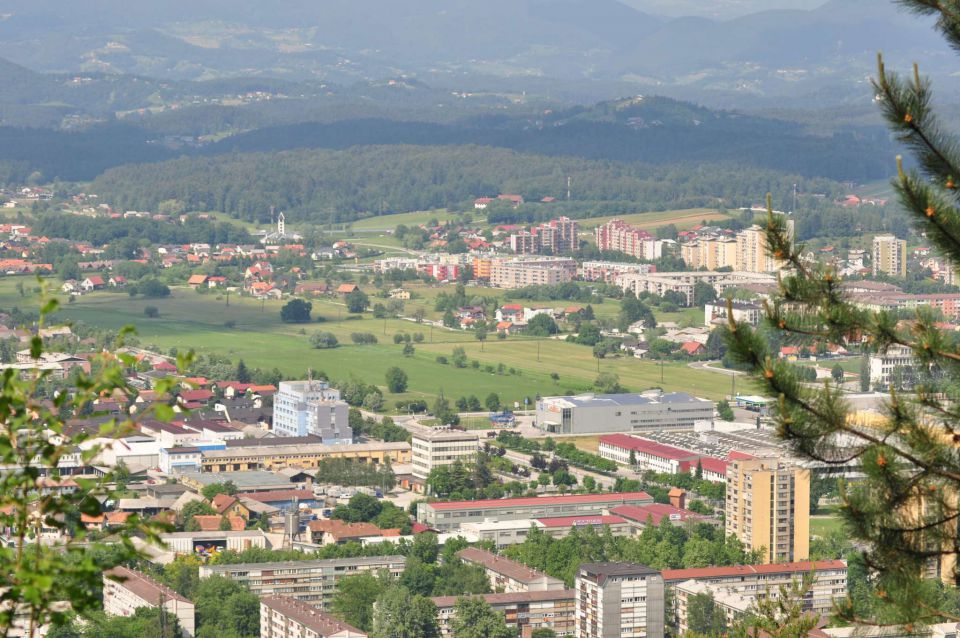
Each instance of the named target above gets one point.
<point>532,272</point>
<point>311,407</point>
<point>619,600</point>
<point>684,282</point>
<point>282,617</point>
<point>311,581</point>
<point>719,312</point>
<point>126,590</point>
<point>433,448</point>
<point>756,581</point>
<point>886,366</point>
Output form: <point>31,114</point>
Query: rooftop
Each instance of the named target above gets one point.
<point>655,512</point>
<point>674,575</point>
<point>499,564</point>
<point>305,564</point>
<point>623,400</point>
<point>143,586</point>
<point>644,445</point>
<point>307,615</point>
<point>578,521</point>
<point>248,480</point>
<point>602,571</point>
<point>510,597</point>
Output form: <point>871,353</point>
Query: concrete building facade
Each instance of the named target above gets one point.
<point>284,617</point>
<point>768,507</point>
<point>595,414</point>
<point>619,600</point>
<point>507,575</point>
<point>126,590</point>
<point>451,515</point>
<point>889,256</point>
<point>311,407</point>
<point>310,581</point>
<point>430,449</point>
<point>526,611</point>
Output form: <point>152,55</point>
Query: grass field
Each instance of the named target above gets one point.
<point>198,321</point>
<point>389,222</point>
<point>825,524</point>
<point>648,221</point>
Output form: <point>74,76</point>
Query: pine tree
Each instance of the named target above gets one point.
<point>905,510</point>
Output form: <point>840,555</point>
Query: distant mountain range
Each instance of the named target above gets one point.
<point>605,46</point>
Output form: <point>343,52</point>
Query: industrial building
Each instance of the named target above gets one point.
<point>451,515</point>
<point>601,413</point>
<point>277,453</point>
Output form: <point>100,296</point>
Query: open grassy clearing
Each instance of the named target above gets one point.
<point>389,222</point>
<point>681,218</point>
<point>198,321</point>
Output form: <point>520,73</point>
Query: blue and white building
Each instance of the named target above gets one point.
<point>312,407</point>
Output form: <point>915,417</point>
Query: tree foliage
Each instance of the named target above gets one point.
<point>904,510</point>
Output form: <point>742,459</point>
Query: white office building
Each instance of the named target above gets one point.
<point>312,407</point>
<point>602,413</point>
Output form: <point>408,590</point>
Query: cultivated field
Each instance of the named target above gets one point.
<point>682,219</point>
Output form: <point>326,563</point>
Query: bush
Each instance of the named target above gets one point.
<point>296,311</point>
<point>363,338</point>
<point>323,340</point>
<point>396,380</point>
<point>442,360</point>
<point>151,312</point>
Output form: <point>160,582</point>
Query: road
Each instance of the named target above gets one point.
<point>708,365</point>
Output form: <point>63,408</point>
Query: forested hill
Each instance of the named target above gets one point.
<point>663,136</point>
<point>330,185</point>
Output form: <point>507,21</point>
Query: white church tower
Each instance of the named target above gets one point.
<point>281,225</point>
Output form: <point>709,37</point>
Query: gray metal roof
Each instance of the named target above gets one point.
<point>628,399</point>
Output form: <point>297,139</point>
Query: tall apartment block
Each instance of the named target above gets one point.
<point>619,600</point>
<point>311,407</point>
<point>889,256</point>
<point>768,507</point>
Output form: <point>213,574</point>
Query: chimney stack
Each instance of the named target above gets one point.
<point>678,498</point>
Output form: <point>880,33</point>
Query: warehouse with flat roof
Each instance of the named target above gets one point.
<point>604,413</point>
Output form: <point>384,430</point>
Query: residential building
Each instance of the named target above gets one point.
<point>452,514</point>
<point>889,256</point>
<point>505,533</point>
<point>742,312</point>
<point>896,365</point>
<point>526,611</point>
<point>731,604</point>
<point>683,282</point>
<point>607,271</point>
<point>756,581</point>
<point>191,543</point>
<point>336,532</point>
<point>560,235</point>
<point>768,507</point>
<point>276,453</point>
<point>311,407</point>
<point>507,575</point>
<point>593,414</point>
<point>525,243</point>
<point>619,600</point>
<point>532,272</point>
<point>284,617</point>
<point>618,235</point>
<point>311,581</point>
<point>431,448</point>
<point>126,590</point>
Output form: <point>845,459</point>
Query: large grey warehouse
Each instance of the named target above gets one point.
<point>602,413</point>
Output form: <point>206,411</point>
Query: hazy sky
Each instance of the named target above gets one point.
<point>718,8</point>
